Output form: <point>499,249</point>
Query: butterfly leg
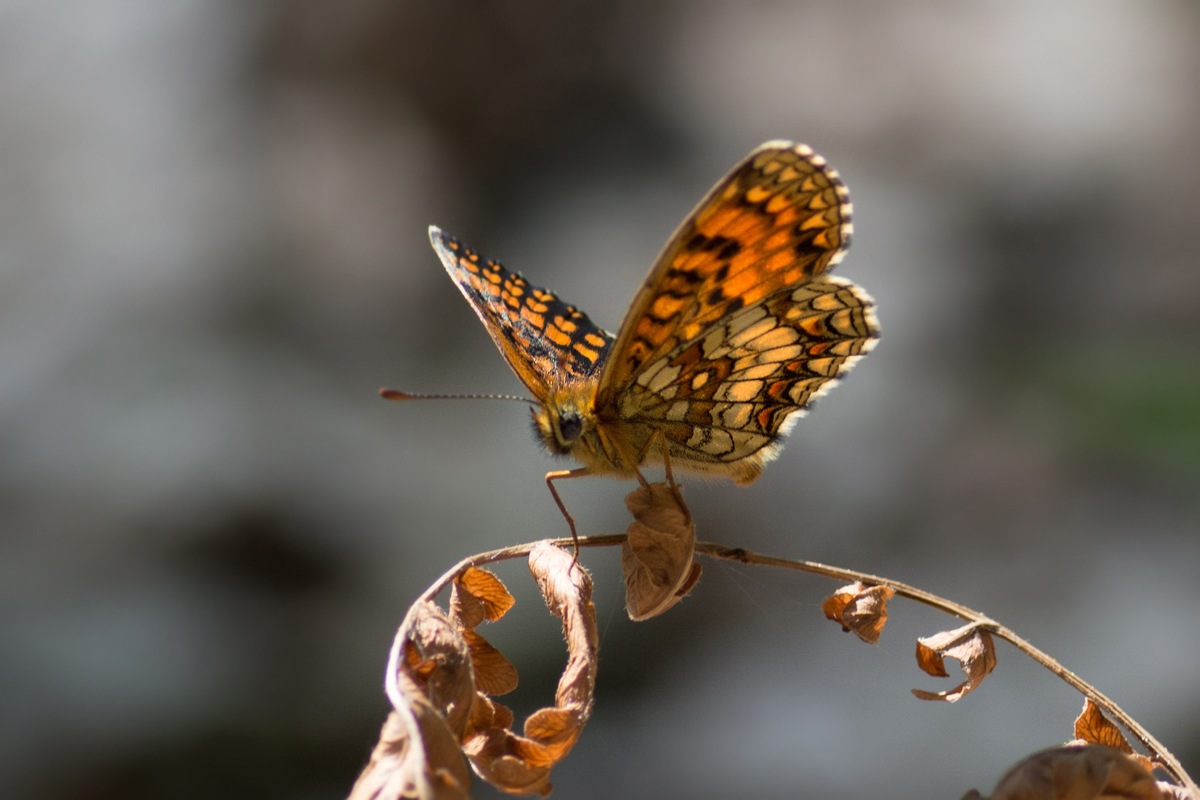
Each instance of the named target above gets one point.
<point>666,454</point>
<point>657,434</point>
<point>551,477</point>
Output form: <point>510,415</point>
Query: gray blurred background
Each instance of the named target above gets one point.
<point>213,252</point>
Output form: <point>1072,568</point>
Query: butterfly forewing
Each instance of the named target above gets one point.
<point>546,342</point>
<point>778,219</point>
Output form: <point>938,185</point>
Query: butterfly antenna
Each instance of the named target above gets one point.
<point>392,394</point>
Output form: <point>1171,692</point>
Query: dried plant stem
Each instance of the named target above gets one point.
<point>1159,753</point>
<point>1153,747</point>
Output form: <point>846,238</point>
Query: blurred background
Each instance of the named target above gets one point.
<point>213,252</point>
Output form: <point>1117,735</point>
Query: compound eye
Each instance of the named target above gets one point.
<point>570,425</point>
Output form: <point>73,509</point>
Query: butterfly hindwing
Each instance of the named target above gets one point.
<point>735,389</point>
<point>546,342</point>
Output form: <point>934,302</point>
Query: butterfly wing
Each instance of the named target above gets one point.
<point>724,398</point>
<point>546,342</point>
<point>737,328</point>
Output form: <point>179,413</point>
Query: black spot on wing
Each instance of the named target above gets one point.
<point>730,249</point>
<point>689,276</point>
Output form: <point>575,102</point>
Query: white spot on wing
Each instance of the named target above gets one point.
<point>663,378</point>
<point>735,416</point>
<point>739,391</point>
<point>753,332</point>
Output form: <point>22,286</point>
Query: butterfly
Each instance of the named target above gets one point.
<point>736,330</point>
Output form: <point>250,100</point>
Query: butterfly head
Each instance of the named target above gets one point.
<point>559,428</point>
<point>563,422</point>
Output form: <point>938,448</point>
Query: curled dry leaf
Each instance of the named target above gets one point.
<point>657,557</point>
<point>478,595</point>
<point>1092,727</point>
<point>432,692</point>
<point>442,672</point>
<point>567,589</point>
<point>417,756</point>
<point>494,674</point>
<point>1077,772</point>
<point>859,608</point>
<point>438,660</point>
<point>521,764</point>
<point>971,645</point>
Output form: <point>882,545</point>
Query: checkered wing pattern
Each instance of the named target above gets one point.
<point>547,342</point>
<point>728,393</point>
<point>738,327</point>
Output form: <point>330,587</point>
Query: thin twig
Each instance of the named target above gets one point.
<point>1156,750</point>
<point>1159,753</point>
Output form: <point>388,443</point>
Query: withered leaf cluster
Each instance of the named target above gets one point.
<point>1099,765</point>
<point>442,682</point>
<point>443,675</point>
<point>863,609</point>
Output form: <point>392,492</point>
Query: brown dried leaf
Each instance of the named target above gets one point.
<point>930,661</point>
<point>657,557</point>
<point>484,713</point>
<point>438,659</point>
<point>497,755</point>
<point>567,589</point>
<point>521,764</point>
<point>532,753</point>
<point>487,713</point>
<point>859,608</point>
<point>478,595</point>
<point>971,645</point>
<point>494,674</point>
<point>555,729</point>
<point>417,755</point>
<point>1092,727</point>
<point>1077,772</point>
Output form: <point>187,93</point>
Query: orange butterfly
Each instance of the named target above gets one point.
<point>735,331</point>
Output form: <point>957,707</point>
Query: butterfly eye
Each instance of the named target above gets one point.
<point>570,425</point>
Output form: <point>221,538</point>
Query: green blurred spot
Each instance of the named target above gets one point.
<point>1140,401</point>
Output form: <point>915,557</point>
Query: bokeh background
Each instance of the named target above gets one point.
<point>213,252</point>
